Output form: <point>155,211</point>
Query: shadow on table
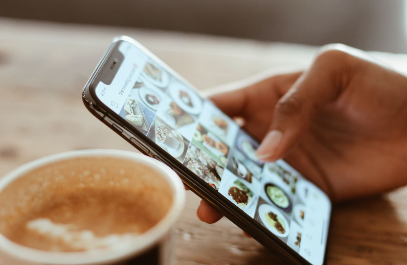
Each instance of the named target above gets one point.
<point>369,230</point>
<point>363,231</point>
<point>266,258</point>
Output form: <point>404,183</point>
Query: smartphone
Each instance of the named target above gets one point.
<point>161,114</point>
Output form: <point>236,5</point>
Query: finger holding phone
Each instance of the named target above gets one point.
<point>319,121</point>
<point>342,123</point>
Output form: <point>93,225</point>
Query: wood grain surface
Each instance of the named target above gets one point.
<point>43,68</point>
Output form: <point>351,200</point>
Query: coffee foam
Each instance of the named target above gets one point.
<point>78,240</point>
<point>83,203</point>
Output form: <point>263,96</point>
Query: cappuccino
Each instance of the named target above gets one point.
<point>83,203</point>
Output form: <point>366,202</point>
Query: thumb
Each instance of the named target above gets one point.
<point>293,113</point>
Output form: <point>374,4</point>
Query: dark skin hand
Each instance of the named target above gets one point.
<point>342,123</point>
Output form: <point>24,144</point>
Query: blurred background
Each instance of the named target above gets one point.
<point>366,24</point>
<point>49,48</point>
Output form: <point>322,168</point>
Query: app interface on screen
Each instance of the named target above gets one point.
<point>210,144</point>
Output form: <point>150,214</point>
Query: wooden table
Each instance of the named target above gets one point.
<point>43,68</point>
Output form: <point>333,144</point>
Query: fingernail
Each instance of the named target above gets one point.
<point>260,157</point>
<point>269,145</point>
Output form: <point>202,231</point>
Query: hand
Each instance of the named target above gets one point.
<point>342,123</point>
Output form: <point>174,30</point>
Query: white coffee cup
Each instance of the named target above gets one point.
<point>152,247</point>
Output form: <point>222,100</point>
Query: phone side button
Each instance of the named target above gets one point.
<point>117,128</point>
<point>140,145</point>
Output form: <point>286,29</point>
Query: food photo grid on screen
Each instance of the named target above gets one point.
<point>212,146</point>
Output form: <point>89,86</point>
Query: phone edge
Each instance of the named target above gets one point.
<point>283,250</point>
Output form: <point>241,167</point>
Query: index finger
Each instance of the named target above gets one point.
<point>234,99</point>
<point>231,102</point>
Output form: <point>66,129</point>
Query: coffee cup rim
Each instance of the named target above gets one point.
<point>118,252</point>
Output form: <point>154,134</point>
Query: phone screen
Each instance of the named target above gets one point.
<point>196,133</point>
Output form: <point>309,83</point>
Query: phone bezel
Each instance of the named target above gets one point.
<point>196,184</point>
